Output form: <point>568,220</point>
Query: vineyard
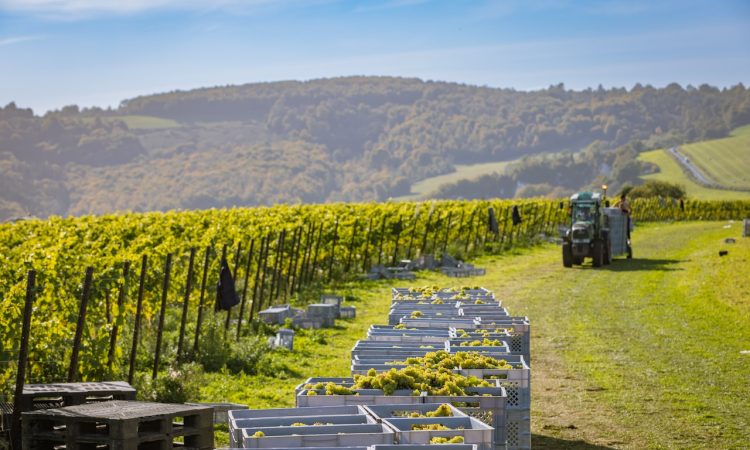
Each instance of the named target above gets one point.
<point>155,273</point>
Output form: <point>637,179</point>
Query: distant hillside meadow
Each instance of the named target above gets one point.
<point>343,139</point>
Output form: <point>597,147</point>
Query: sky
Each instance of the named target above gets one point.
<point>99,52</point>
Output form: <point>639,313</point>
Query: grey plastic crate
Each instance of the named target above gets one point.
<point>487,404</point>
<point>362,397</point>
<point>317,448</point>
<point>380,412</point>
<point>287,421</point>
<point>516,381</point>
<point>221,410</point>
<point>319,436</point>
<point>237,425</point>
<point>472,430</point>
<point>322,310</point>
<point>331,299</point>
<point>275,314</point>
<point>347,312</point>
<point>423,447</point>
<point>293,412</point>
<point>518,429</point>
<point>345,381</point>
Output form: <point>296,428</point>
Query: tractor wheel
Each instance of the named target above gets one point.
<point>608,252</point>
<point>597,253</point>
<point>567,254</point>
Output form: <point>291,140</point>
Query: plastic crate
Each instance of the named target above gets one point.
<point>318,436</point>
<point>262,423</point>
<point>518,429</point>
<point>485,403</point>
<point>423,447</point>
<point>472,430</point>
<point>293,412</point>
<point>380,412</point>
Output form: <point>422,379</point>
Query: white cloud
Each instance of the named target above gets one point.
<point>75,9</point>
<point>17,40</point>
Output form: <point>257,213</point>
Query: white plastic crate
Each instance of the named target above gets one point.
<point>518,429</point>
<point>516,381</point>
<point>380,412</point>
<point>264,423</point>
<point>471,430</point>
<point>319,436</point>
<point>421,447</point>
<point>486,403</point>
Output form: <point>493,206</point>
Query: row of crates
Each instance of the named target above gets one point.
<point>454,320</point>
<point>487,418</point>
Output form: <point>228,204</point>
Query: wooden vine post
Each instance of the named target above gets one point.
<point>23,357</point>
<point>162,311</point>
<point>185,303</point>
<point>85,296</point>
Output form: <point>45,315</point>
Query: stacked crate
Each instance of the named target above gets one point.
<point>119,425</point>
<point>487,418</point>
<point>475,315</point>
<point>325,312</point>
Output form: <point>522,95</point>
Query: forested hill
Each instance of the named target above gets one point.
<point>356,138</point>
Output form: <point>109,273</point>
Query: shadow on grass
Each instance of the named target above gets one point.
<point>548,442</point>
<point>638,264</point>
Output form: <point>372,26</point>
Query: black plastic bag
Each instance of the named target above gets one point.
<point>493,226</point>
<point>226,295</point>
<point>516,216</point>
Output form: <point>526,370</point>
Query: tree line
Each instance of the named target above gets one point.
<point>341,139</point>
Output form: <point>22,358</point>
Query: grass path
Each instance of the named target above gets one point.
<point>643,354</point>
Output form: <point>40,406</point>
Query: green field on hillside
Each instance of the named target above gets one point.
<point>423,188</point>
<point>726,161</point>
<point>647,353</point>
<point>672,172</point>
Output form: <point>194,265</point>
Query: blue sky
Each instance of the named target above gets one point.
<point>99,52</point>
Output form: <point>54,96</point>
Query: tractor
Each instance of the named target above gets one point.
<point>596,231</point>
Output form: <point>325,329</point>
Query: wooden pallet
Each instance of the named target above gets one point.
<point>119,425</point>
<point>58,395</point>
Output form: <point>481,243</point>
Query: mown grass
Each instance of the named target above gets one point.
<point>642,354</point>
<point>671,171</point>
<point>423,188</point>
<point>726,161</point>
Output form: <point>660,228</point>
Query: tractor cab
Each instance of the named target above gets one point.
<point>586,220</point>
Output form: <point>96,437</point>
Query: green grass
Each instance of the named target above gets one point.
<point>671,171</point>
<point>146,122</point>
<point>643,354</point>
<point>428,186</point>
<point>726,161</point>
